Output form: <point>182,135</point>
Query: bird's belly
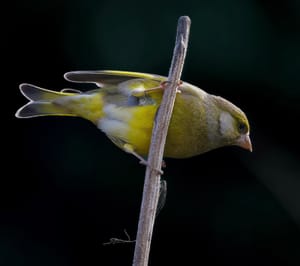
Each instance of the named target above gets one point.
<point>178,144</point>
<point>140,128</point>
<point>133,125</point>
<point>129,125</point>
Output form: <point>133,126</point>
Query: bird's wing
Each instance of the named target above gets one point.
<point>121,84</point>
<point>109,77</point>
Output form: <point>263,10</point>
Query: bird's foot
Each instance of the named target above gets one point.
<point>145,162</point>
<point>162,86</point>
<point>128,148</point>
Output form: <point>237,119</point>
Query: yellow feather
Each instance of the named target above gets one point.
<point>140,128</point>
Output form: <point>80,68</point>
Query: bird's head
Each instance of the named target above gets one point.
<point>233,124</point>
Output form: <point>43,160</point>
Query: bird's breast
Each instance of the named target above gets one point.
<point>187,134</point>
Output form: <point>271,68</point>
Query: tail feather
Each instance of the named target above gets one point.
<point>41,102</point>
<point>35,93</point>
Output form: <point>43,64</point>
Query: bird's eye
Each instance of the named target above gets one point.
<point>242,128</point>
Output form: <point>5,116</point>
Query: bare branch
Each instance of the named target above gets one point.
<point>158,140</point>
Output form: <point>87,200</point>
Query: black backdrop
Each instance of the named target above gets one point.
<point>65,189</point>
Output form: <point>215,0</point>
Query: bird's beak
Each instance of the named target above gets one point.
<point>245,142</point>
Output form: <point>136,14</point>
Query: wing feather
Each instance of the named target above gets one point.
<point>108,77</point>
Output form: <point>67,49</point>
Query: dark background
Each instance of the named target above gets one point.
<point>65,189</point>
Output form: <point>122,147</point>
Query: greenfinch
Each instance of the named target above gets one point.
<point>124,107</point>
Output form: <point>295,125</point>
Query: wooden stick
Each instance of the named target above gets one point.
<point>158,140</point>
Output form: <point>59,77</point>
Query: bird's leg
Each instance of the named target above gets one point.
<point>128,148</point>
<point>161,86</point>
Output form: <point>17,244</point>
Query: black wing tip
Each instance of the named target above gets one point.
<point>68,76</point>
<point>76,76</point>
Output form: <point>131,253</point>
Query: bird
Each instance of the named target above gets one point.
<point>124,104</point>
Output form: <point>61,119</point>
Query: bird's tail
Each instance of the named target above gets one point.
<point>41,102</point>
